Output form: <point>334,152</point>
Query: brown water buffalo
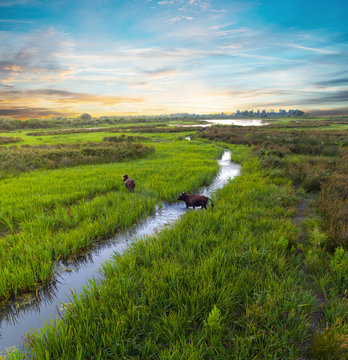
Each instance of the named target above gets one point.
<point>195,200</point>
<point>130,184</point>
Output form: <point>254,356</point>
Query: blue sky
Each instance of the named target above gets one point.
<point>109,57</point>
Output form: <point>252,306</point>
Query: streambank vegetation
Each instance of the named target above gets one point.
<point>250,279</point>
<point>315,161</point>
<point>48,215</point>
<point>221,284</point>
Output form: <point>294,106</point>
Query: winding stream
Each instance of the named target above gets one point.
<point>16,321</point>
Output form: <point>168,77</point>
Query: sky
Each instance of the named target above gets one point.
<point>115,57</point>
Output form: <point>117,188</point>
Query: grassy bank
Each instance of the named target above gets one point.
<point>53,214</point>
<point>223,283</point>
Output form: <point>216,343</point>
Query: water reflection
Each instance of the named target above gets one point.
<point>27,302</point>
<point>242,122</point>
<point>237,122</point>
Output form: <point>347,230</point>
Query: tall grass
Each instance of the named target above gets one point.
<point>315,161</point>
<point>221,284</point>
<point>49,215</point>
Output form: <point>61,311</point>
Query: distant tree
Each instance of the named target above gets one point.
<point>86,117</point>
<point>298,113</point>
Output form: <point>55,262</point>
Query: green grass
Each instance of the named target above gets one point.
<point>84,137</point>
<point>49,215</point>
<point>316,161</point>
<point>227,283</point>
<point>220,284</point>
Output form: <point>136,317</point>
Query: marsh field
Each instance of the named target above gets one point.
<point>261,275</point>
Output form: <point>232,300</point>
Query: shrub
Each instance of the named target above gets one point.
<point>86,117</point>
<point>9,140</point>
<point>53,156</point>
<point>332,343</point>
<point>123,138</point>
<point>333,208</point>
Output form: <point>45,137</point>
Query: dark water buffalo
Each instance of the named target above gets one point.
<point>130,184</point>
<point>195,200</point>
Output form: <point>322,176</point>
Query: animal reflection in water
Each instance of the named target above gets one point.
<point>195,200</point>
<point>130,184</point>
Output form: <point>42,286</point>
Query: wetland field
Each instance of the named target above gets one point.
<point>261,275</point>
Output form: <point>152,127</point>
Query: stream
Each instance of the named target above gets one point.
<point>33,310</point>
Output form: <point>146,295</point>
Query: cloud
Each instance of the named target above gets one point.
<point>327,112</point>
<point>31,112</point>
<point>198,6</point>
<point>34,56</point>
<point>323,98</point>
<point>63,97</point>
<point>317,50</point>
<point>333,82</point>
<point>253,98</point>
<point>52,102</point>
<point>178,51</point>
<point>161,73</point>
<point>179,18</point>
<point>165,2</point>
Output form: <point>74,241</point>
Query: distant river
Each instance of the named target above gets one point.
<point>240,122</point>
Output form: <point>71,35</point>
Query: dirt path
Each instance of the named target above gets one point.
<point>304,210</point>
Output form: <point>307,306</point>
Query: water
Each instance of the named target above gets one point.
<point>33,310</point>
<point>242,122</point>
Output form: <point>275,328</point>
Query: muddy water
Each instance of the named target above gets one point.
<point>32,311</point>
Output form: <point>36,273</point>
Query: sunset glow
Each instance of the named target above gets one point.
<point>153,57</point>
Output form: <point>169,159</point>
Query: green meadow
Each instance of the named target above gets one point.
<point>48,215</point>
<point>262,275</point>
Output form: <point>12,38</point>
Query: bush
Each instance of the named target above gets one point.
<point>123,138</point>
<point>86,117</point>
<point>9,140</point>
<point>54,156</point>
<point>329,344</point>
<point>333,208</point>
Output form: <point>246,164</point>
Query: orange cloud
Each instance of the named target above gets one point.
<point>49,102</point>
<point>26,112</point>
<point>12,68</point>
<point>62,96</point>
